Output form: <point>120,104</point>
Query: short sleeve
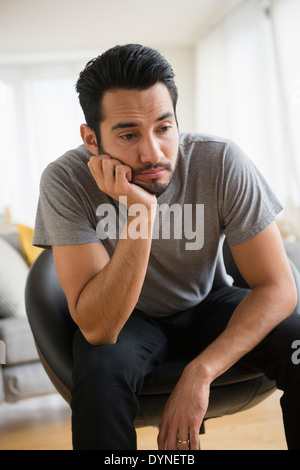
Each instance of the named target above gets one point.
<point>247,203</point>
<point>62,215</point>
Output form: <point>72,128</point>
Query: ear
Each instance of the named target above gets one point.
<point>89,138</point>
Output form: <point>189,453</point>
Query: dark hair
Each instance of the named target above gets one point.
<point>131,66</point>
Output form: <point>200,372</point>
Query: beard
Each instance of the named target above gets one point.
<point>153,186</point>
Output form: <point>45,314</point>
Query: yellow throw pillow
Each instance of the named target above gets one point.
<point>26,236</point>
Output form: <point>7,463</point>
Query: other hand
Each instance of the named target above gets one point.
<point>184,412</point>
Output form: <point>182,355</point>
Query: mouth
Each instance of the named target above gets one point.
<point>152,173</point>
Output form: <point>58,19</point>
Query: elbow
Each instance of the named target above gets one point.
<point>290,297</point>
<point>98,339</point>
<point>96,336</point>
<point>90,329</point>
<point>294,299</point>
<point>282,298</point>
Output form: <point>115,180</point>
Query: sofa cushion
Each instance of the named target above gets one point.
<point>13,239</point>
<point>29,251</point>
<point>13,275</point>
<point>18,339</point>
<point>24,381</point>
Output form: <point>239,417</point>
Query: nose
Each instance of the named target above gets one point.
<point>150,151</point>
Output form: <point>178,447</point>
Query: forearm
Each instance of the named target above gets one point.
<point>259,312</point>
<point>107,301</point>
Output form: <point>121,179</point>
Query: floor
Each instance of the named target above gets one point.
<point>44,424</point>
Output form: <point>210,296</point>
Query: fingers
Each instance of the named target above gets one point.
<point>162,437</point>
<point>110,174</point>
<point>183,443</point>
<point>194,440</point>
<point>123,171</point>
<point>178,436</point>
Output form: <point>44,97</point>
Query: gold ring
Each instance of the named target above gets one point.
<point>183,442</point>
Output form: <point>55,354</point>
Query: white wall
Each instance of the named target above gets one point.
<point>182,60</point>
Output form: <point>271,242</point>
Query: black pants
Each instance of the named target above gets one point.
<point>108,378</point>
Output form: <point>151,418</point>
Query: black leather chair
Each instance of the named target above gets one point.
<point>237,389</point>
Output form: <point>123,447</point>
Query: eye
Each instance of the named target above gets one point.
<point>127,136</point>
<point>164,128</point>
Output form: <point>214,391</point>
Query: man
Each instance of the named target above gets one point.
<point>133,294</point>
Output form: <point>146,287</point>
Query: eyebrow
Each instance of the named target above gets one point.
<point>124,125</point>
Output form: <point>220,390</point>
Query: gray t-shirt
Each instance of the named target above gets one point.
<point>215,191</point>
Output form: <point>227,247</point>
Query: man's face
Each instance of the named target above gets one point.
<point>140,130</point>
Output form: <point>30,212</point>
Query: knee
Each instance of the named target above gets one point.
<point>106,364</point>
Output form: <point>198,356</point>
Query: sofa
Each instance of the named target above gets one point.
<point>22,375</point>
<point>21,372</point>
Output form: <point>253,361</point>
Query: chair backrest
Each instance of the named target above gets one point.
<point>50,321</point>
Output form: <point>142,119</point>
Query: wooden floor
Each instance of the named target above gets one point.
<point>44,424</point>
